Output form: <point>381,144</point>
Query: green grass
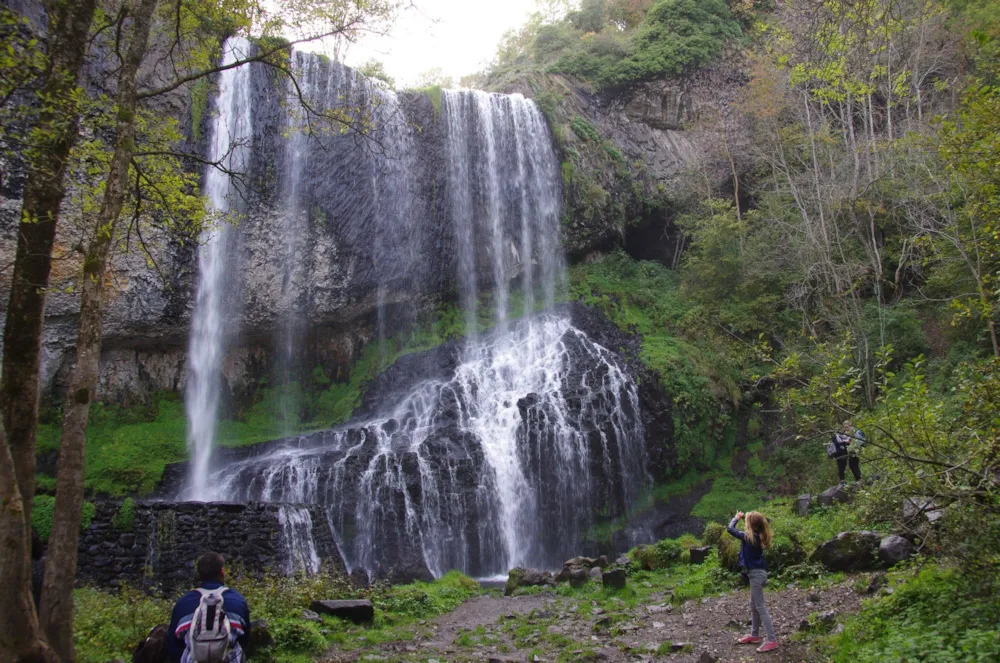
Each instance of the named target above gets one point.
<point>108,625</point>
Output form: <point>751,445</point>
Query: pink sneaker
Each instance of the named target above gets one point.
<point>767,646</point>
<point>749,640</point>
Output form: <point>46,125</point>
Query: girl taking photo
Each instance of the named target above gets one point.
<point>755,540</point>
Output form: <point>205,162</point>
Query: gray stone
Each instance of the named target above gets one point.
<point>849,551</point>
<point>894,549</point>
<point>615,579</point>
<point>521,577</point>
<point>700,554</point>
<point>578,577</point>
<point>357,611</point>
<point>595,573</point>
<point>310,616</point>
<point>833,495</point>
<point>914,507</point>
<point>623,560</point>
<point>802,504</point>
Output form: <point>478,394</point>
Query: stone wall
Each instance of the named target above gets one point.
<point>158,548</point>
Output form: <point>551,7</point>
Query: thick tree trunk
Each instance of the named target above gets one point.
<point>55,133</point>
<point>61,557</point>
<point>48,153</point>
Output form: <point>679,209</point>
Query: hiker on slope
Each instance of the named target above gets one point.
<point>211,623</point>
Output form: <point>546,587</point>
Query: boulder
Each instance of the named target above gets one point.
<point>802,504</point>
<point>359,579</point>
<point>915,507</point>
<point>849,551</point>
<point>310,616</point>
<point>614,579</point>
<point>595,573</point>
<point>834,494</point>
<point>578,577</point>
<point>700,554</point>
<point>357,611</point>
<point>894,549</point>
<point>260,635</point>
<point>153,649</point>
<point>520,577</point>
<point>623,560</point>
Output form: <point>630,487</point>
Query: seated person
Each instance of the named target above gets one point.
<point>183,625</point>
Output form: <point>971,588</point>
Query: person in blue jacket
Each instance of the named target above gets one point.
<point>211,573</point>
<point>754,541</point>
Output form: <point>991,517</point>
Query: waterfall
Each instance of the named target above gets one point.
<point>210,324</point>
<point>297,537</point>
<point>516,440</point>
<point>503,463</point>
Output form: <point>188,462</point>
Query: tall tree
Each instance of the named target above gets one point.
<point>50,143</point>
<point>61,558</point>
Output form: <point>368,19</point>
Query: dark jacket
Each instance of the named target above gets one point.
<point>751,557</point>
<point>180,619</point>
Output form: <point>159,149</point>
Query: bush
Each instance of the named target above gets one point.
<point>660,555</point>
<point>713,533</point>
<point>939,616</point>
<point>295,635</point>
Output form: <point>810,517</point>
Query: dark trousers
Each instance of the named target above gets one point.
<point>855,463</point>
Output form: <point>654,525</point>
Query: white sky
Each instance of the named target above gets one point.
<point>459,36</point>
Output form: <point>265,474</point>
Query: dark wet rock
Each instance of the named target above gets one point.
<point>615,579</point>
<point>359,579</point>
<point>894,549</point>
<point>849,551</point>
<point>578,577</point>
<point>358,611</point>
<point>699,554</point>
<point>520,577</point>
<point>152,648</point>
<point>260,635</point>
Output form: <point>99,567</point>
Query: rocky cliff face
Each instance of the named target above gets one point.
<point>348,229</point>
<point>628,156</point>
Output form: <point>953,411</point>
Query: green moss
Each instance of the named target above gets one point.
<point>199,102</point>
<point>42,510</point>
<point>124,518</point>
<point>433,94</point>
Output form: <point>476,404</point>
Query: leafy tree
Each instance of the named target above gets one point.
<point>674,36</point>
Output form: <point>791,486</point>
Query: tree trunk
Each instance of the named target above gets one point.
<point>61,558</point>
<point>50,145</point>
<point>47,154</point>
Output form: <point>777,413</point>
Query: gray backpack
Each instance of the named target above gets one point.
<point>208,639</point>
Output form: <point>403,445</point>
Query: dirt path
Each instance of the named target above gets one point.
<point>547,627</point>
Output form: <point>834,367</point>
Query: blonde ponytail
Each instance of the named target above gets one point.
<point>759,532</point>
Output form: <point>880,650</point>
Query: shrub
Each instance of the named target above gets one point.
<point>124,518</point>
<point>295,635</point>
<point>713,533</point>
<point>660,555</point>
<point>42,512</point>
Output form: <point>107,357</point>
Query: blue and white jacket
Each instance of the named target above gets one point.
<point>180,621</point>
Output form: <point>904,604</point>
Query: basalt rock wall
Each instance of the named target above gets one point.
<point>157,545</point>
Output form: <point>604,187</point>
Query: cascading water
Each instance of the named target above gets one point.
<point>504,463</point>
<point>210,325</point>
<point>510,455</point>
